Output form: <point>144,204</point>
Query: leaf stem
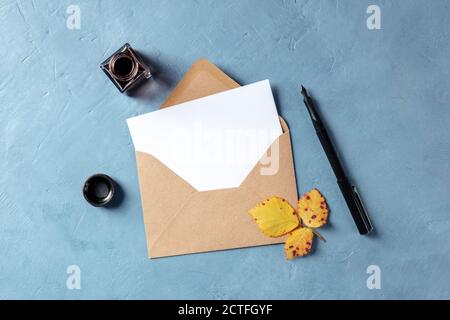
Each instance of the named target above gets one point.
<point>319,235</point>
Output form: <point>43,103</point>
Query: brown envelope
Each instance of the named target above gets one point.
<point>179,219</point>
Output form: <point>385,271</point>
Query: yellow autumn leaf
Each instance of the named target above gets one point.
<point>313,209</point>
<point>275,217</point>
<point>298,243</point>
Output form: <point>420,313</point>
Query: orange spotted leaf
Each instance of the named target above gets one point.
<point>298,243</point>
<point>313,209</point>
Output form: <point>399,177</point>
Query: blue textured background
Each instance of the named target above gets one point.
<point>385,94</point>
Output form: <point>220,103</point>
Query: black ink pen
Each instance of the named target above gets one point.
<point>348,190</point>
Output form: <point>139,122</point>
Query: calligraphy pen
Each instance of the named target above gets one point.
<point>348,190</point>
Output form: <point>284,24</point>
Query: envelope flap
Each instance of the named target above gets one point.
<point>202,79</point>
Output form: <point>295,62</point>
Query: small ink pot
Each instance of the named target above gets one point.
<point>99,190</point>
<point>126,68</point>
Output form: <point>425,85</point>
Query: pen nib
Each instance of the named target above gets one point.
<point>304,92</point>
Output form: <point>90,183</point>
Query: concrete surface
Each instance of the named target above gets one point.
<point>385,94</point>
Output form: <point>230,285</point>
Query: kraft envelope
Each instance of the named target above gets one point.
<point>178,218</point>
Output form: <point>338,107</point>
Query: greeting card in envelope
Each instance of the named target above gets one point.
<point>211,153</point>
